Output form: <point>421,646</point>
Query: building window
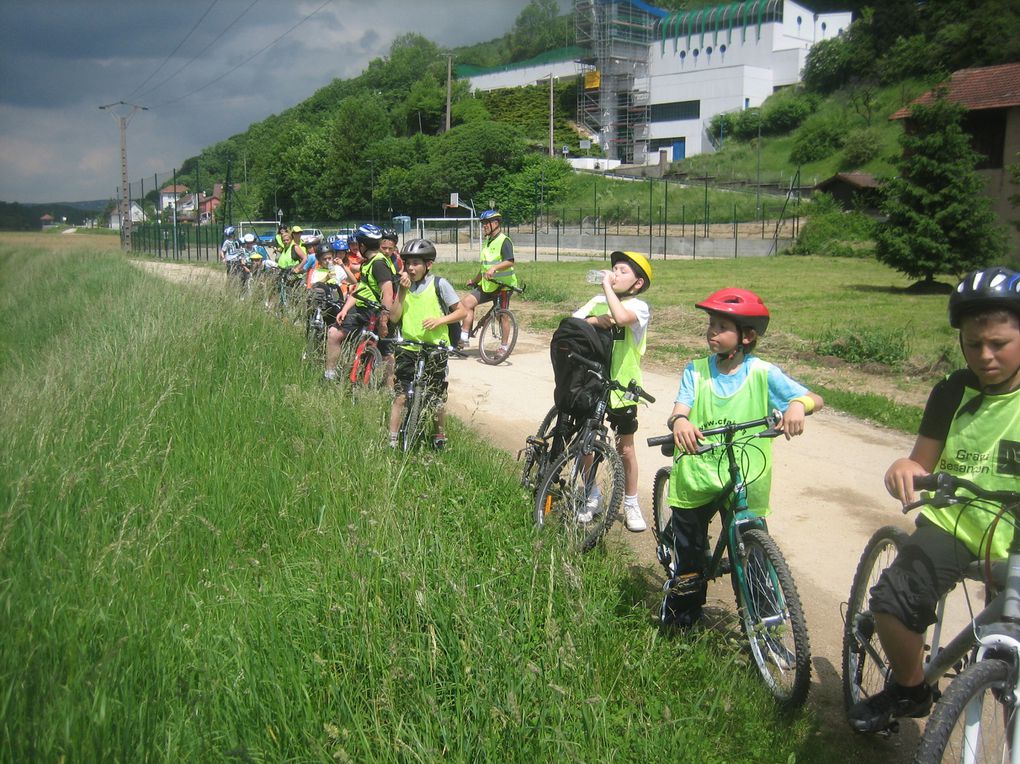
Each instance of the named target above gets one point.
<point>683,54</point>
<point>708,51</point>
<point>670,112</point>
<point>722,48</point>
<point>823,26</point>
<point>747,103</point>
<point>695,53</point>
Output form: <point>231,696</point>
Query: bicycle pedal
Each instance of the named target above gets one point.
<point>686,583</point>
<point>725,566</point>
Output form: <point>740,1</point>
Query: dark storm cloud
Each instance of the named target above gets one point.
<point>61,59</point>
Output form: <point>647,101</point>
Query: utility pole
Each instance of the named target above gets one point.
<point>449,89</point>
<point>552,151</point>
<point>125,203</point>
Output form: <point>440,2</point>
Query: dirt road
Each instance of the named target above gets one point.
<point>827,497</point>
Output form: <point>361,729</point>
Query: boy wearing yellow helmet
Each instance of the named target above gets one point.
<point>619,310</point>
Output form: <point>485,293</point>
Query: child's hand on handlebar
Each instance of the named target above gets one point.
<point>792,423</point>
<point>899,479</point>
<point>686,436</point>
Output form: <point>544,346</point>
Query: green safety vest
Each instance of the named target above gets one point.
<point>287,257</point>
<point>697,480</point>
<point>369,288</point>
<point>625,363</point>
<point>985,449</point>
<point>418,307</point>
<point>492,255</point>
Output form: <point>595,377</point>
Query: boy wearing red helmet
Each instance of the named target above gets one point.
<point>730,385</point>
<point>974,412</point>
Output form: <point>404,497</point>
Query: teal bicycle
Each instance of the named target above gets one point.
<point>770,612</point>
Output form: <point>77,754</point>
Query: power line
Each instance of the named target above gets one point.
<point>245,61</point>
<point>198,55</point>
<point>171,55</point>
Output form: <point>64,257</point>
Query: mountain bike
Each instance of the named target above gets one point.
<point>580,484</point>
<point>770,612</point>
<point>292,297</point>
<point>362,359</point>
<point>324,306</point>
<point>497,331</point>
<point>975,719</point>
<point>422,399</point>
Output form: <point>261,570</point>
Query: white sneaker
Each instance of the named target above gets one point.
<point>592,507</point>
<point>633,519</point>
<point>465,339</point>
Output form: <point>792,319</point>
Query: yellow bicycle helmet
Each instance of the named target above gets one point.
<point>642,267</point>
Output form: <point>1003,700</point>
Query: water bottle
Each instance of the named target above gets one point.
<point>595,277</point>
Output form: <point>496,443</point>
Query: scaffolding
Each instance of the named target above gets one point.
<point>613,100</point>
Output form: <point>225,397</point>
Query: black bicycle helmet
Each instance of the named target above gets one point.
<point>988,288</point>
<point>422,248</point>
<point>390,235</point>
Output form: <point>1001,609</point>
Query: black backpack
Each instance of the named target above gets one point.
<point>577,391</point>
<point>453,330</point>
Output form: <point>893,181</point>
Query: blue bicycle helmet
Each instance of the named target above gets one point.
<point>228,231</point>
<point>368,232</point>
<point>339,244</point>
<point>490,215</point>
<point>986,289</point>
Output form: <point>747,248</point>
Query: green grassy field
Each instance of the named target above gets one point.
<point>205,555</point>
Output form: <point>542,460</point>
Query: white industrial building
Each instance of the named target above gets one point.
<point>653,79</point>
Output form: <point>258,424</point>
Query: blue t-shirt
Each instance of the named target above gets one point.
<point>310,263</point>
<point>782,389</point>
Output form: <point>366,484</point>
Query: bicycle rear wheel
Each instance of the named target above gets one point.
<point>496,343</point>
<point>975,720</point>
<point>581,494</point>
<point>865,667</point>
<point>530,455</point>
<point>773,620</point>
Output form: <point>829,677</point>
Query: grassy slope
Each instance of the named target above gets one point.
<point>204,554</point>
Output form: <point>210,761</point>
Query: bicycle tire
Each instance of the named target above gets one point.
<point>661,513</point>
<point>862,674</point>
<point>781,651</point>
<point>568,485</point>
<point>371,368</point>
<point>410,427</point>
<point>490,337</point>
<point>988,684</point>
<point>530,456</point>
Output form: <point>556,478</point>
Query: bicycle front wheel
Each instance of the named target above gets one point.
<point>497,336</point>
<point>411,429</point>
<point>865,666</point>
<point>975,720</point>
<point>531,456</point>
<point>773,620</point>
<point>581,493</point>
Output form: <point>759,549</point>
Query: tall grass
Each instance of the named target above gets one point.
<point>205,555</point>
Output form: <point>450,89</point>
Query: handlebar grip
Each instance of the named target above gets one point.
<point>659,440</point>
<point>926,482</point>
<point>593,365</point>
<point>647,396</point>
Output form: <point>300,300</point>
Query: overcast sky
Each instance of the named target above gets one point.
<point>62,59</point>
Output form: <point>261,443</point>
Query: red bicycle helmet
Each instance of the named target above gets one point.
<point>742,305</point>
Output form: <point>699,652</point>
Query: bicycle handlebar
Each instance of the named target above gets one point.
<point>431,347</point>
<point>943,487</point>
<point>728,430</point>
<point>632,391</point>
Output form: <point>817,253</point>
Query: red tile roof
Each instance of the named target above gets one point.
<point>178,189</point>
<point>989,87</point>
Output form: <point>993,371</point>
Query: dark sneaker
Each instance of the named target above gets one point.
<point>876,713</point>
<point>677,609</point>
<point>439,442</point>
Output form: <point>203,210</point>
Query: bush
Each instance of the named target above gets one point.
<point>745,126</point>
<point>859,148</point>
<point>860,344</point>
<point>833,232</point>
<point>828,65</point>
<point>908,57</point>
<point>816,139</point>
<point>787,114</point>
<point>721,126</point>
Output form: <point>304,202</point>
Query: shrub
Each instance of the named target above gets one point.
<point>787,114</point>
<point>833,232</point>
<point>816,139</point>
<point>861,344</point>
<point>859,148</point>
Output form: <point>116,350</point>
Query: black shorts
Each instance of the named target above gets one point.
<point>357,319</point>
<point>484,297</point>
<point>435,371</point>
<point>927,566</point>
<point>623,421</point>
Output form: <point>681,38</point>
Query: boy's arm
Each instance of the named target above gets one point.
<point>621,314</point>
<point>793,418</point>
<point>899,478</point>
<point>686,436</point>
<point>398,302</point>
<point>456,315</point>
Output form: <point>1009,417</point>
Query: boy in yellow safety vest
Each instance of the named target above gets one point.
<point>620,310</point>
<point>730,385</point>
<point>970,429</point>
<point>418,305</point>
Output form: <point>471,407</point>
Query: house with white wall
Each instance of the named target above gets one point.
<point>653,79</point>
